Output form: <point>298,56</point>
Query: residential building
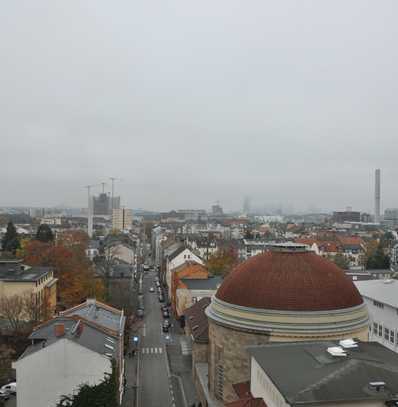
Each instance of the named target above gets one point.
<point>328,373</point>
<point>176,258</point>
<point>18,279</point>
<point>381,298</point>
<point>391,216</point>
<point>122,219</point>
<point>66,351</point>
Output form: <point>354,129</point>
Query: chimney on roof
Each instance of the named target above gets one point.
<point>59,330</point>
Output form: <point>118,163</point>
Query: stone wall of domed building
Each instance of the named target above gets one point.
<point>280,296</point>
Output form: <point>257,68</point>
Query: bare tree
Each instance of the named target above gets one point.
<point>12,309</point>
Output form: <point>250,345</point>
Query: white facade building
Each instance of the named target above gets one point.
<point>381,297</point>
<point>176,259</point>
<point>57,369</point>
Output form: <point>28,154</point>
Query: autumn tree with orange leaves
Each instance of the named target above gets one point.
<point>67,257</point>
<point>222,261</point>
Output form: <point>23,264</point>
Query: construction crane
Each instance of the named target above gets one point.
<point>90,209</point>
<point>113,179</point>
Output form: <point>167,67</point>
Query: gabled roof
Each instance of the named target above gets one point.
<point>197,321</point>
<point>78,330</point>
<point>99,313</point>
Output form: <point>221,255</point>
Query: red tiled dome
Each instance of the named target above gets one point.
<point>289,281</point>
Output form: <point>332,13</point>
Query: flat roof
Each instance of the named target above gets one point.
<point>16,272</point>
<point>305,373</point>
<point>384,291</point>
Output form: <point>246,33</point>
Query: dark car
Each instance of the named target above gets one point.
<point>164,308</point>
<point>161,298</point>
<point>166,314</point>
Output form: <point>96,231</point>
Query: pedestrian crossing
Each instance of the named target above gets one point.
<point>153,351</point>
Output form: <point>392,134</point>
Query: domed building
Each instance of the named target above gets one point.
<point>286,294</point>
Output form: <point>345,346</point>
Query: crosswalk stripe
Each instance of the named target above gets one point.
<point>153,350</point>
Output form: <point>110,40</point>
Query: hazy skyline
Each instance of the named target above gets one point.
<point>196,102</point>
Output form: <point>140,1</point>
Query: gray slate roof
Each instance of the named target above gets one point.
<point>98,313</point>
<point>16,271</point>
<point>385,291</point>
<point>211,283</point>
<point>88,336</point>
<point>305,373</point>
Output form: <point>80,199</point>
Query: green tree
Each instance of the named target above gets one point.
<point>378,260</point>
<point>341,261</point>
<point>44,234</point>
<point>10,241</point>
<point>104,394</point>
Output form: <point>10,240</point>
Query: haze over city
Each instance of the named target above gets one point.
<point>289,103</point>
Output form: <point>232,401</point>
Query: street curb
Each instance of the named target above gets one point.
<point>177,377</point>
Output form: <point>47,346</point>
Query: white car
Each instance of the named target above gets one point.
<point>10,388</point>
<point>151,290</point>
<point>4,395</point>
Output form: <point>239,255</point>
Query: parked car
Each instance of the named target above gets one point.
<point>166,326</point>
<point>164,308</point>
<point>140,313</point>
<point>161,298</point>
<point>151,290</point>
<point>166,314</point>
<point>4,395</point>
<point>10,388</point>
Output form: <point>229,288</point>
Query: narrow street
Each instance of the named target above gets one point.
<point>153,381</point>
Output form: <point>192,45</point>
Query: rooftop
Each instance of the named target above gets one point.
<point>16,271</point>
<point>211,283</point>
<point>305,373</point>
<point>384,291</point>
<point>197,321</point>
<point>78,330</point>
<point>99,313</point>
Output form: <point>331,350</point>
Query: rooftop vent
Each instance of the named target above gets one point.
<point>337,351</point>
<point>348,343</point>
<point>388,281</point>
<point>377,385</point>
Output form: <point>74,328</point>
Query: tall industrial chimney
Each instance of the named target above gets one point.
<point>377,195</point>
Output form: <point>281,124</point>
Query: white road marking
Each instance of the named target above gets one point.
<point>144,330</point>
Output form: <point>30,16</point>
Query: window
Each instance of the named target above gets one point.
<point>392,336</point>
<point>378,304</point>
<point>380,330</point>
<point>386,334</point>
<point>375,327</point>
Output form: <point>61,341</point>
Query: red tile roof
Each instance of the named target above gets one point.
<point>300,281</point>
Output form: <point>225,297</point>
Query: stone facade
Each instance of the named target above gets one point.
<point>229,347</point>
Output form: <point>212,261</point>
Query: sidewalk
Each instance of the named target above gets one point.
<point>130,371</point>
<point>181,367</point>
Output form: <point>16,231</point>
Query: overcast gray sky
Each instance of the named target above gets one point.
<point>190,102</point>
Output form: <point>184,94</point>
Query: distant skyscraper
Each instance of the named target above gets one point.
<point>246,205</point>
<point>216,210</point>
<point>377,195</point>
<point>102,204</point>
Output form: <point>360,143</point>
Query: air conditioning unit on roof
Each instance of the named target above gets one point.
<point>336,351</point>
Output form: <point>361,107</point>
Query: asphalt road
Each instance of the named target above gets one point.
<point>153,382</point>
